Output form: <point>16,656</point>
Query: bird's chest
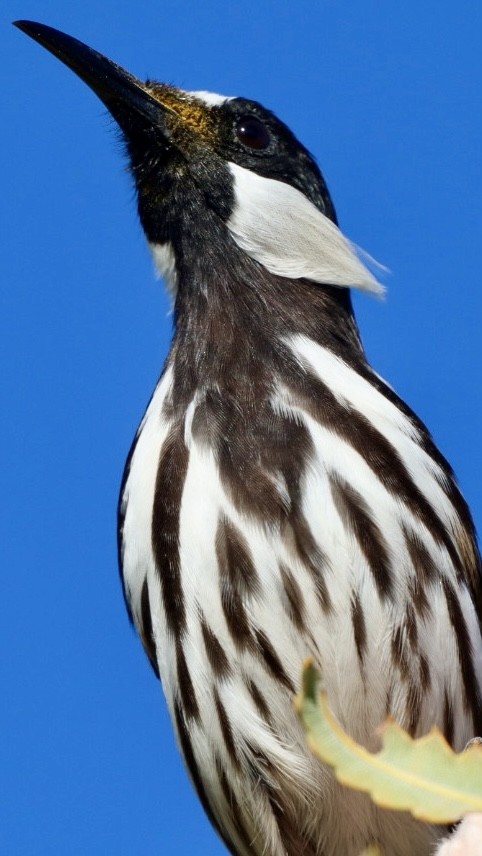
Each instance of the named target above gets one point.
<point>251,541</point>
<point>208,549</point>
<point>239,562</point>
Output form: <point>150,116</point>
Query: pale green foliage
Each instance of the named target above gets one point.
<point>423,776</point>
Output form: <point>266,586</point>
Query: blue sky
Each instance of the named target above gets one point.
<point>387,95</point>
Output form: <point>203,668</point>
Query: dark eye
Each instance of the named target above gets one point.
<point>252,133</point>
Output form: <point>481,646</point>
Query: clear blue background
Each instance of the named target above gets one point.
<point>388,96</point>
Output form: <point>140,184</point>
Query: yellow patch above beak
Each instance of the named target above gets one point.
<point>195,115</point>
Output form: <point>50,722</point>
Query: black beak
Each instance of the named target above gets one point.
<point>126,97</point>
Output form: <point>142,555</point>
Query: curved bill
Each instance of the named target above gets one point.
<point>121,92</point>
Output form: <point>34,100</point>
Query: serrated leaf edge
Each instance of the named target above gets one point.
<point>308,700</point>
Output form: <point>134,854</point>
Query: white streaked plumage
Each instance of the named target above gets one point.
<point>279,227</point>
<point>204,503</point>
<point>352,390</point>
<point>138,496</point>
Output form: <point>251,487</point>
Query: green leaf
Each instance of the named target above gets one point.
<point>422,776</point>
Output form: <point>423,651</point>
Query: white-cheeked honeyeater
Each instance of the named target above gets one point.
<point>280,501</point>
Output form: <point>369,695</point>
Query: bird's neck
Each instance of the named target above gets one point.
<point>233,323</point>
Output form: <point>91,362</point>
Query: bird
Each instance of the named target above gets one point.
<point>280,501</point>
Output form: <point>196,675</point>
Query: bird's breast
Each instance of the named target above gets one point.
<point>310,524</point>
<point>310,519</point>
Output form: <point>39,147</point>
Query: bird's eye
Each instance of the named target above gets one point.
<point>252,133</point>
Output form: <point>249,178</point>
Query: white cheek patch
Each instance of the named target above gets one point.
<point>281,229</point>
<point>165,262</point>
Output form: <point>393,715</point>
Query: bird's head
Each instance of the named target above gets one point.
<point>211,170</point>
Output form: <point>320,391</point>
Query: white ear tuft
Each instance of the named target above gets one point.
<point>279,227</point>
<point>165,262</point>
